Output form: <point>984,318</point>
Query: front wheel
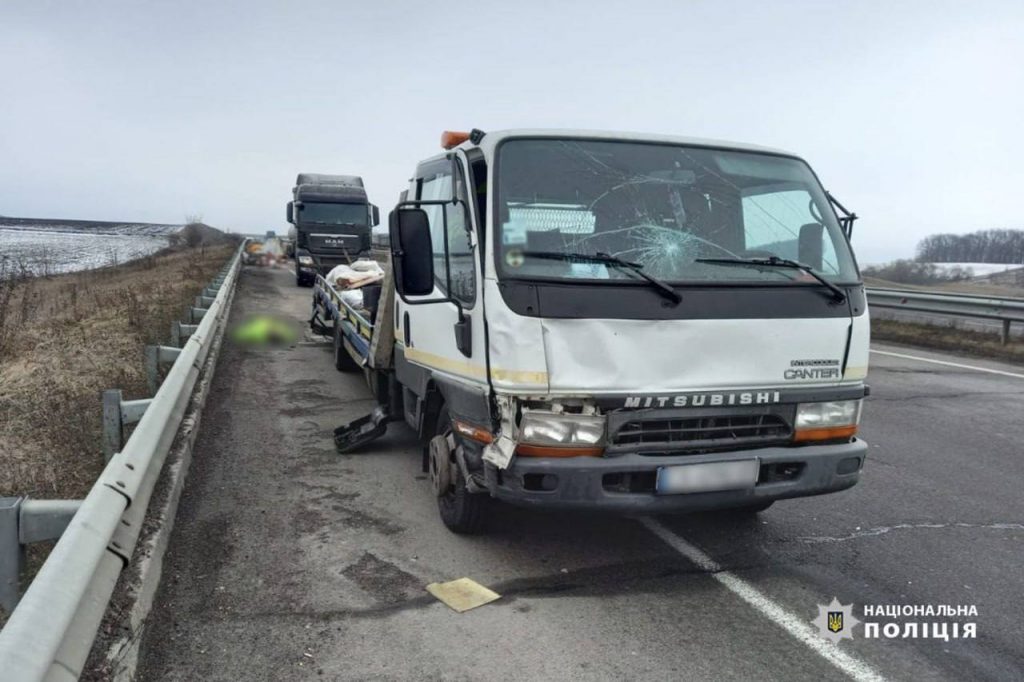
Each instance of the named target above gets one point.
<point>461,511</point>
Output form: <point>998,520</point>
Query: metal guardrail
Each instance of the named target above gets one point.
<point>50,633</point>
<point>1003,309</point>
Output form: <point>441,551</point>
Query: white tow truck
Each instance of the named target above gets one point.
<point>609,321</point>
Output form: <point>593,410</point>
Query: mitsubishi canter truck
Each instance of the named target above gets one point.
<point>608,321</point>
<point>331,221</point>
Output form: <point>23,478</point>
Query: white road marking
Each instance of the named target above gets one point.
<point>949,364</point>
<point>797,627</point>
<point>882,530</point>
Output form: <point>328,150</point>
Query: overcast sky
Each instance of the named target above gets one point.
<point>910,112</point>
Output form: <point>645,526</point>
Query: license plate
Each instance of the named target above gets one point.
<point>707,477</point>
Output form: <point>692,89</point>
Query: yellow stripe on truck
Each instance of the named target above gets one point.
<point>461,367</point>
<point>855,373</point>
<point>472,369</point>
<point>519,376</point>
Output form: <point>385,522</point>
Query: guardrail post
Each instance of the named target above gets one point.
<point>196,314</point>
<point>42,520</point>
<point>180,332</point>
<point>132,410</point>
<point>156,356</point>
<point>12,554</point>
<point>151,358</point>
<point>111,422</point>
<point>117,413</point>
<point>1004,334</point>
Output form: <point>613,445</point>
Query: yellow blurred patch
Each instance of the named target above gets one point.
<point>265,330</point>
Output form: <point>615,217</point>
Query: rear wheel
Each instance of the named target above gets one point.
<point>343,362</point>
<point>461,511</point>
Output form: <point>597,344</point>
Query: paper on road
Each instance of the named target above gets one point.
<point>462,594</point>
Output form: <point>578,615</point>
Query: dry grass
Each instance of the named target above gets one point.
<point>965,341</point>
<point>63,340</point>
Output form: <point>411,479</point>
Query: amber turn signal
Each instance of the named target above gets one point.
<point>527,450</point>
<point>453,138</point>
<point>830,433</point>
<point>473,432</point>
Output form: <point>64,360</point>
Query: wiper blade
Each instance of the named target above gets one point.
<point>607,259</point>
<point>838,294</point>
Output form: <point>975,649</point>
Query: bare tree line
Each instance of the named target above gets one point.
<point>984,246</point>
<point>908,271</point>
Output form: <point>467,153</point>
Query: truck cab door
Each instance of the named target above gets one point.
<point>426,334</point>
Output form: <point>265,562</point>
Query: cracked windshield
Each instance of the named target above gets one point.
<point>662,207</point>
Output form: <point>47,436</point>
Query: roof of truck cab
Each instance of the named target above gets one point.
<point>326,179</point>
<point>329,193</point>
<point>493,137</point>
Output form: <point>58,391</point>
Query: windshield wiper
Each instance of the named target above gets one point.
<point>838,295</point>
<point>608,259</point>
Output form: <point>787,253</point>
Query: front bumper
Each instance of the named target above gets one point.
<point>624,483</point>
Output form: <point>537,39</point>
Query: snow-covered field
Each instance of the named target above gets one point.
<point>51,248</point>
<point>979,269</point>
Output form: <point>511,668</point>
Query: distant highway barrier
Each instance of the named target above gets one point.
<point>1005,310</point>
<point>51,631</point>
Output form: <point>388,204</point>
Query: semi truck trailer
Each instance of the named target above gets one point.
<point>331,219</point>
<point>613,322</point>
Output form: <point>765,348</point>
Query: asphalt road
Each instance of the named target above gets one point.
<point>289,561</point>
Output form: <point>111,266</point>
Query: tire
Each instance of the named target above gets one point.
<point>461,511</point>
<point>343,362</point>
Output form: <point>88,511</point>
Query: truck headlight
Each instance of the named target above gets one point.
<point>305,260</point>
<point>550,434</point>
<point>832,420</point>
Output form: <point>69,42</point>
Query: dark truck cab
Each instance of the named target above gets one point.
<point>332,220</point>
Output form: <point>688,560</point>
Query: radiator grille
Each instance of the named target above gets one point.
<point>704,433</point>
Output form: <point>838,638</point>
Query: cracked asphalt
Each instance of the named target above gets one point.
<point>291,562</point>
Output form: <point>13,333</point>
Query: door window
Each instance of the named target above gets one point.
<point>438,186</point>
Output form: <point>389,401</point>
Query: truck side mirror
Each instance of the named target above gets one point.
<point>809,246</point>
<point>411,251</point>
<point>374,215</point>
<point>288,212</point>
